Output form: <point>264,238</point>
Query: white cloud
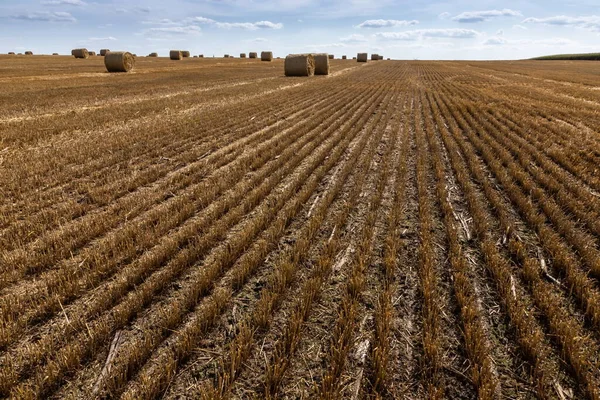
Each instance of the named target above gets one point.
<point>177,30</point>
<point>453,33</point>
<point>552,42</point>
<point>444,15</point>
<point>135,10</point>
<point>44,16</point>
<point>385,23</point>
<point>495,41</point>
<point>252,26</point>
<point>63,3</point>
<point>521,27</point>
<point>353,39</point>
<point>591,22</point>
<point>102,39</point>
<point>480,16</point>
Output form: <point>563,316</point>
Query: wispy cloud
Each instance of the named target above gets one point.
<point>102,39</point>
<point>385,23</point>
<point>444,15</point>
<point>63,3</point>
<point>452,33</point>
<point>252,26</point>
<point>134,10</point>
<point>501,41</point>
<point>176,30</point>
<point>44,16</point>
<point>480,16</point>
<point>353,39</point>
<point>591,22</point>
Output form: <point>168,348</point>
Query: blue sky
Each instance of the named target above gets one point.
<point>418,29</point>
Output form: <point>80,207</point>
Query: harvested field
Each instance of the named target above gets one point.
<point>213,229</point>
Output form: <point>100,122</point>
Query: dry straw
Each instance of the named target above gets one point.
<point>80,53</point>
<point>266,56</point>
<point>299,65</point>
<point>175,55</point>
<point>362,57</point>
<point>153,55</point>
<point>104,52</point>
<point>321,64</point>
<point>253,54</point>
<point>119,61</point>
<point>29,53</point>
<point>185,53</point>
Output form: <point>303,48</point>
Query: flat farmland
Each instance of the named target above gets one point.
<point>209,228</point>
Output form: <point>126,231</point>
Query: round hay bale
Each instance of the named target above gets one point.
<point>201,56</point>
<point>11,53</point>
<point>321,64</point>
<point>104,52</point>
<point>80,53</point>
<point>344,57</point>
<point>252,55</point>
<point>380,58</point>
<point>153,55</point>
<point>226,56</point>
<point>374,57</point>
<point>388,59</point>
<point>299,65</point>
<point>266,56</point>
<point>185,53</point>
<point>119,61</point>
<point>242,55</point>
<point>54,54</point>
<point>331,56</point>
<point>175,55</point>
<point>362,57</point>
<point>354,58</point>
<point>29,53</point>
<point>92,53</point>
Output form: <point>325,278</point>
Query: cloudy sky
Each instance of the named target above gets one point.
<point>416,29</point>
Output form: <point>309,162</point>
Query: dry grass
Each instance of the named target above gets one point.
<point>215,229</point>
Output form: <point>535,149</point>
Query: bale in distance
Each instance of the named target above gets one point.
<point>80,53</point>
<point>388,59</point>
<point>195,57</point>
<point>344,57</point>
<point>119,61</point>
<point>92,53</point>
<point>321,64</point>
<point>266,56</point>
<point>153,55</point>
<point>54,54</point>
<point>299,65</point>
<point>201,56</point>
<point>226,56</point>
<point>374,57</point>
<point>362,57</point>
<point>175,55</point>
<point>242,55</point>
<point>331,56</point>
<point>381,58</point>
<point>19,54</point>
<point>354,58</point>
<point>252,54</point>
<point>104,52</point>
<point>11,53</point>
<point>185,53</point>
<point>29,53</point>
